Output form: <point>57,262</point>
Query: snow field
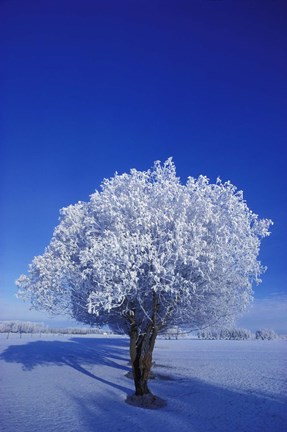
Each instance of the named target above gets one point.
<point>73,384</point>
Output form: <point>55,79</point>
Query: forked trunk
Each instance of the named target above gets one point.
<point>141,349</point>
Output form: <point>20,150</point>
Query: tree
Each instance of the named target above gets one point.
<point>265,334</point>
<point>147,252</point>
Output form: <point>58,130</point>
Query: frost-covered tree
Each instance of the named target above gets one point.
<point>147,252</point>
<point>227,334</point>
<point>266,334</point>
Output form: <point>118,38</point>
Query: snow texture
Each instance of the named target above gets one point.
<point>73,384</point>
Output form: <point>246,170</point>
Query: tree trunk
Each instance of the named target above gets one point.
<point>141,349</point>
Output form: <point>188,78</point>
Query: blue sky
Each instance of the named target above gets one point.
<point>93,87</point>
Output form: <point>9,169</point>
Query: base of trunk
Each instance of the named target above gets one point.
<point>148,401</point>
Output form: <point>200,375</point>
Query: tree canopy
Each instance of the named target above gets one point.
<point>147,248</point>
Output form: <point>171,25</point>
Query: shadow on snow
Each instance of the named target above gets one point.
<point>192,405</point>
<point>74,353</point>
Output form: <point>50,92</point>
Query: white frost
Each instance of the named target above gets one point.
<point>169,253</point>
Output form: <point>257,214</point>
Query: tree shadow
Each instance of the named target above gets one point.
<point>192,405</point>
<point>75,353</point>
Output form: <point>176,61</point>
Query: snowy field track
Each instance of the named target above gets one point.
<point>79,384</point>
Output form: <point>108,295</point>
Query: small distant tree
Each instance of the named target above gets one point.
<point>235,334</point>
<point>225,334</point>
<point>266,334</point>
<point>147,253</point>
<point>173,333</point>
<point>208,334</point>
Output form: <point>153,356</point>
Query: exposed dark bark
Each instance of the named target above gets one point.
<point>141,350</point>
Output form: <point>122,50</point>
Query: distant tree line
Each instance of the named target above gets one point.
<point>21,327</point>
<point>173,333</point>
<point>29,327</point>
<point>266,334</point>
<point>236,334</point>
<point>40,328</point>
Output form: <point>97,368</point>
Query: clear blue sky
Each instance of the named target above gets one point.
<point>92,87</point>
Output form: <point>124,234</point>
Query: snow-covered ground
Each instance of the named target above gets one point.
<point>78,384</point>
